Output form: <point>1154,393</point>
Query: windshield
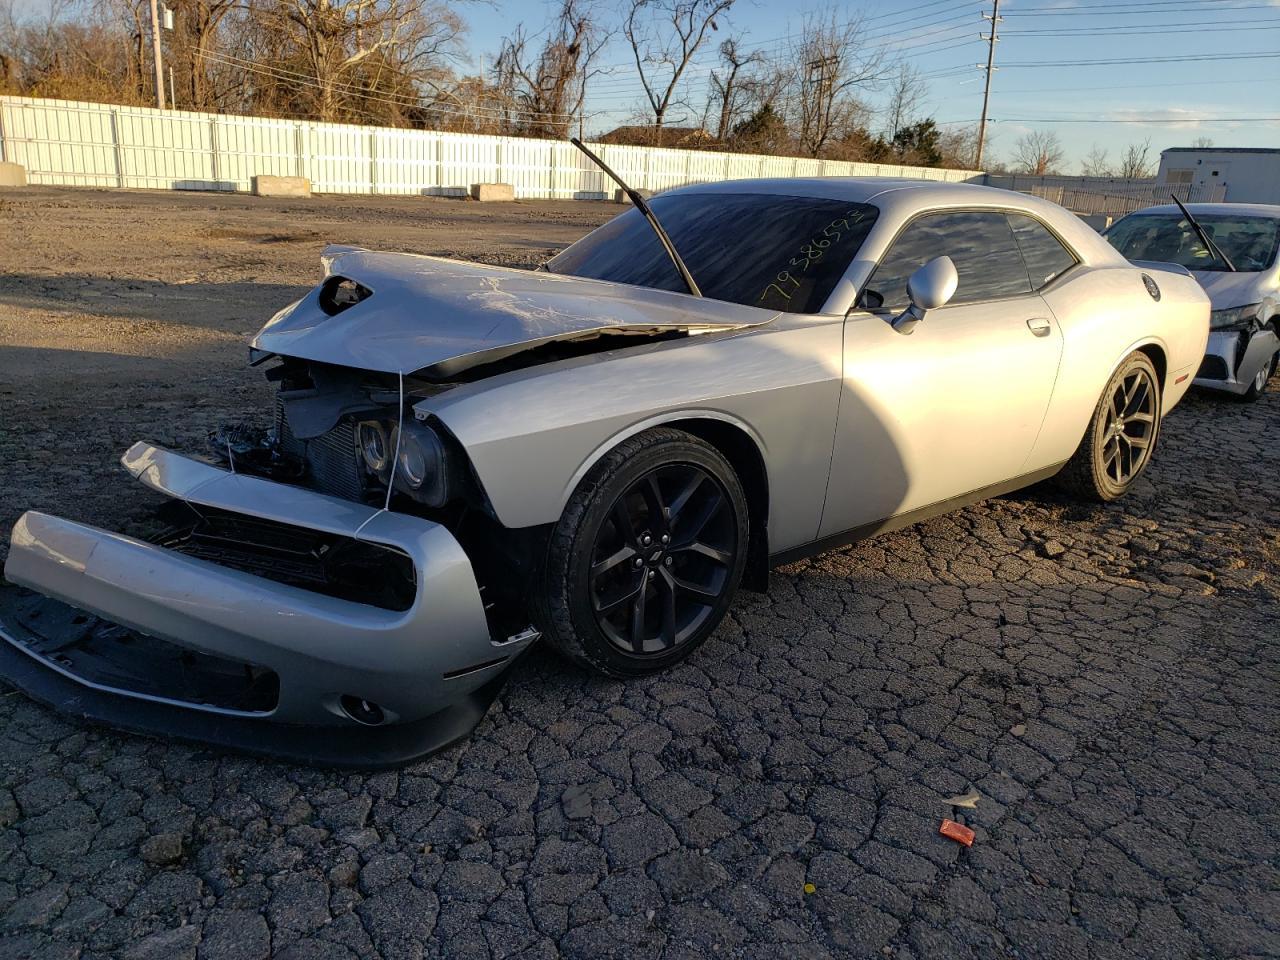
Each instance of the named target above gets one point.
<point>1249,242</point>
<point>760,250</point>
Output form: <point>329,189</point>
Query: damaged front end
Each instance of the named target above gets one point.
<point>360,634</point>
<point>1239,353</point>
<point>334,586</point>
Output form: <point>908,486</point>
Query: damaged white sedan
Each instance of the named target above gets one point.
<point>1233,250</point>
<point>466,458</point>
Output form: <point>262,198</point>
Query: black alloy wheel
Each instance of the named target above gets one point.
<point>663,561</point>
<point>647,556</point>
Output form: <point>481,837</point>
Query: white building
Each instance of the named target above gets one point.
<point>1241,174</point>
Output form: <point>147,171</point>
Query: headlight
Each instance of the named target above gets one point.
<point>422,467</point>
<point>1233,317</point>
<point>375,447</point>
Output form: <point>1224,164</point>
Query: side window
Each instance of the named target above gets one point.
<point>980,244</point>
<point>1044,253</point>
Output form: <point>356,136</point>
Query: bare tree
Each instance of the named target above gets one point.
<point>1134,163</point>
<point>1038,152</point>
<point>549,88</point>
<point>906,90</point>
<point>832,64</point>
<point>339,38</point>
<point>664,35</point>
<point>958,146</point>
<point>1097,163</point>
<point>1202,143</point>
<point>730,88</point>
<point>197,28</point>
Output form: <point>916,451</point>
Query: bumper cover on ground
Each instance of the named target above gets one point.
<point>431,669</point>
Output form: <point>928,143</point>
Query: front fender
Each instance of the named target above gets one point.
<point>531,435</point>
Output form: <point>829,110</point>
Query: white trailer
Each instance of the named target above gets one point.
<point>1244,174</point>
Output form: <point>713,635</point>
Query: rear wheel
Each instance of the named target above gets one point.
<point>1122,435</point>
<point>647,556</point>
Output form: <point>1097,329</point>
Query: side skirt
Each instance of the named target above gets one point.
<point>867,530</point>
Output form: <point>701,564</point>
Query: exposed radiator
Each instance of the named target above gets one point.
<point>331,458</point>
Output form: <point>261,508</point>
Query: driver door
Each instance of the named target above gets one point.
<point>955,406</point>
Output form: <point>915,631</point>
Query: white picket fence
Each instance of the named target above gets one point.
<point>99,145</point>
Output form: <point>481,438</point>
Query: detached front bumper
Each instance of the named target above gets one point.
<point>195,649</point>
<point>1233,358</point>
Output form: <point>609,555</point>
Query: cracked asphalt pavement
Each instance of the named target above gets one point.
<point>1107,678</point>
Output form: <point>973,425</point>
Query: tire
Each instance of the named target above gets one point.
<point>1259,385</point>
<point>661,482</point>
<point>1122,434</point>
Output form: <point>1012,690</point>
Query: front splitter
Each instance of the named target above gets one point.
<point>350,747</point>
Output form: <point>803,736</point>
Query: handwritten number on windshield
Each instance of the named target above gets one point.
<point>785,283</point>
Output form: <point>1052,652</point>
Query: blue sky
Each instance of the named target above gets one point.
<point>941,38</point>
<point>1095,103</point>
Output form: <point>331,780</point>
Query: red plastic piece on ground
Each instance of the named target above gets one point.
<point>957,832</point>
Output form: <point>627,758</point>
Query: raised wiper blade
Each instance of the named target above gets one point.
<point>648,214</point>
<point>1209,245</point>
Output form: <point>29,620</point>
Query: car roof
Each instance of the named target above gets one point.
<point>1239,209</point>
<point>900,199</point>
<point>856,189</point>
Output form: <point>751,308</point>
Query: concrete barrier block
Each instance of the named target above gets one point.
<point>620,195</point>
<point>1099,221</point>
<point>492,191</point>
<point>269,186</point>
<point>13,175</point>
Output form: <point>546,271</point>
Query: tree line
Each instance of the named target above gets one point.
<point>403,63</point>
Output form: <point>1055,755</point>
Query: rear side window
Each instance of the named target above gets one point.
<point>981,245</point>
<point>1045,256</point>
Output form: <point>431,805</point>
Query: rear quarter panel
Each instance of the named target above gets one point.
<point>533,434</point>
<point>1106,313</point>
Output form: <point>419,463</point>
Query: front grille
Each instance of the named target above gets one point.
<point>300,557</point>
<point>1212,368</point>
<point>331,458</point>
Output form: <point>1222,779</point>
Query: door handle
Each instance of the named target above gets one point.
<point>1040,326</point>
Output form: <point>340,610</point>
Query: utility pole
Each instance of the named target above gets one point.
<point>995,18</point>
<point>155,53</point>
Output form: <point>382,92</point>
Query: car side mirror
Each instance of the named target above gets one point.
<point>930,287</point>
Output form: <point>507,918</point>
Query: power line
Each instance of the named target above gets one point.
<point>1204,26</point>
<point>1168,120</point>
<point>1188,58</point>
<point>401,100</point>
<point>1111,10</point>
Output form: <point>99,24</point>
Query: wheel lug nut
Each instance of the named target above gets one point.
<point>652,574</point>
<point>638,563</point>
<point>666,538</point>
<point>646,539</point>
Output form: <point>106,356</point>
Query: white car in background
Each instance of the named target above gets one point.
<point>1240,270</point>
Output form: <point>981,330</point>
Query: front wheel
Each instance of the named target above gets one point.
<point>1122,435</point>
<point>646,557</point>
<point>1260,379</point>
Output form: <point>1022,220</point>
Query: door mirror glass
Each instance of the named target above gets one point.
<point>930,287</point>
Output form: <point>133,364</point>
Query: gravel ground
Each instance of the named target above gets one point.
<point>1106,678</point>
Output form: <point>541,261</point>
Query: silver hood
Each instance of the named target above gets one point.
<point>1227,289</point>
<point>450,315</point>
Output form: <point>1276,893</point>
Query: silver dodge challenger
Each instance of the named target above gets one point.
<point>465,459</point>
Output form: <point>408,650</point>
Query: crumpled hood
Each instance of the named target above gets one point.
<point>449,315</point>
<point>1227,289</point>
